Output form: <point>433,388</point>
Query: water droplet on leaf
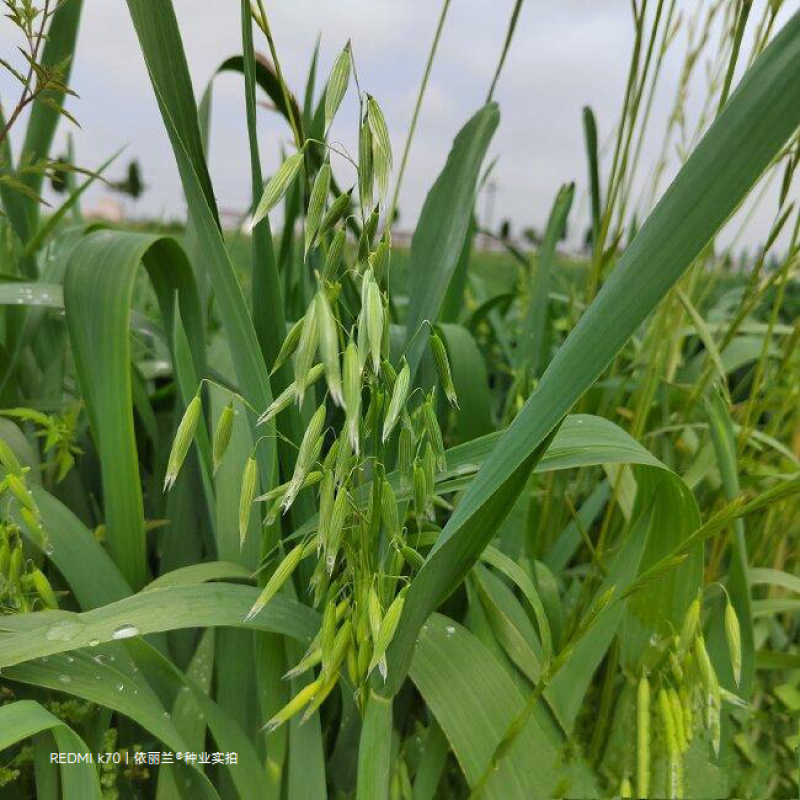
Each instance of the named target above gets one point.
<point>64,631</point>
<point>125,632</point>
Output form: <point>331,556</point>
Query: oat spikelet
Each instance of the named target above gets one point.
<point>183,441</point>
<point>222,435</point>
<point>246,497</point>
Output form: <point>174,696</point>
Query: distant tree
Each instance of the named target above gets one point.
<point>532,236</point>
<point>505,230</point>
<point>135,185</point>
<point>132,185</point>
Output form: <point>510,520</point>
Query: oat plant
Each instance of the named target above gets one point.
<point>391,522</point>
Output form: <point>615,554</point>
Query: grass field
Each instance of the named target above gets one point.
<point>319,515</point>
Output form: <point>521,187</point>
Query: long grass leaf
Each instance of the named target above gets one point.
<point>474,701</point>
<point>98,301</point>
<point>443,223</point>
<point>161,44</point>
<point>167,609</point>
<point>760,116</point>
<point>25,718</point>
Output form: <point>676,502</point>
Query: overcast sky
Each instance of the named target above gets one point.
<point>566,53</point>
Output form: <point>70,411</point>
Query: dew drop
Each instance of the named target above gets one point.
<point>94,643</point>
<point>65,679</point>
<point>64,631</point>
<point>100,659</point>
<point>120,687</point>
<point>450,630</point>
<point>125,632</point>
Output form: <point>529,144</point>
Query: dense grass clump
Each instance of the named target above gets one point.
<point>312,514</point>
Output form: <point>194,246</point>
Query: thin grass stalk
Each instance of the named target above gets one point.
<point>512,25</point>
<point>741,24</point>
<point>761,365</point>
<point>417,108</point>
<point>667,37</point>
<point>617,184</point>
<point>263,22</point>
<point>594,279</point>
